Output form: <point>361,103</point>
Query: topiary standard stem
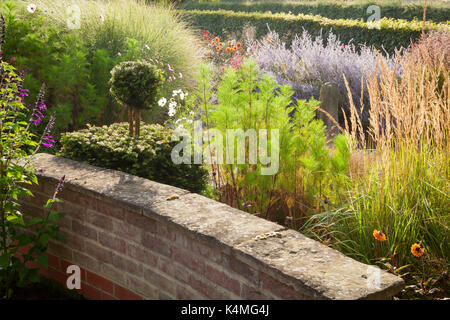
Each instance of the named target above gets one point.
<point>137,114</point>
<point>130,120</point>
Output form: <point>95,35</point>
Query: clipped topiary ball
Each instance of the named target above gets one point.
<point>136,84</point>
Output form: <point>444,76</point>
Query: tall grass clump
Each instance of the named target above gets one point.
<point>81,41</point>
<point>402,185</point>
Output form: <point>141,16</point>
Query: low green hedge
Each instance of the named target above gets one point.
<point>146,156</point>
<point>330,10</point>
<point>391,33</point>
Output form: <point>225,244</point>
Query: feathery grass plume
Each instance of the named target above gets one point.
<point>158,29</point>
<point>404,185</point>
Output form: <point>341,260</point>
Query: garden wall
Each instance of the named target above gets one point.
<point>138,239</point>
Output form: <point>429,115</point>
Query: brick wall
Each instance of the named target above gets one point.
<point>138,239</point>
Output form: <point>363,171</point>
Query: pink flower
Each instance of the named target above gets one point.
<point>31,8</point>
<point>223,69</point>
<point>13,59</point>
<point>170,68</point>
<point>102,18</point>
<point>119,54</point>
<point>180,75</point>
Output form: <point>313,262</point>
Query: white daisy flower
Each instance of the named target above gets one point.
<point>162,102</point>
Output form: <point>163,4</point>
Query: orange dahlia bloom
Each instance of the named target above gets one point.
<point>380,236</point>
<point>230,43</point>
<point>417,250</point>
<point>238,44</point>
<point>218,48</point>
<point>228,49</point>
<point>234,48</point>
<point>221,44</point>
<point>212,42</point>
<point>216,39</point>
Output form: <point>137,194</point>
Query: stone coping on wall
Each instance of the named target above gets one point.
<point>302,263</point>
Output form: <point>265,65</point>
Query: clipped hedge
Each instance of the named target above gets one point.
<point>391,33</point>
<point>330,10</point>
<point>146,156</point>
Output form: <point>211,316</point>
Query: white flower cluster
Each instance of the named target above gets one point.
<point>173,104</point>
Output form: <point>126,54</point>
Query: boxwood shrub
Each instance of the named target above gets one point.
<point>391,33</point>
<point>146,156</point>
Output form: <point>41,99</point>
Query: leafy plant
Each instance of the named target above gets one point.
<point>147,155</point>
<point>21,240</point>
<point>246,100</point>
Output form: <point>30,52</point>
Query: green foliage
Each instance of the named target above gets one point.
<point>247,100</point>
<point>136,84</point>
<point>76,64</point>
<point>386,33</point>
<point>16,145</point>
<point>330,9</point>
<point>147,156</point>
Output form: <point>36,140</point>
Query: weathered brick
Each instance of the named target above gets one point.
<point>113,274</point>
<point>154,244</point>
<point>84,230</point>
<point>75,241</point>
<point>233,264</point>
<point>222,279</point>
<point>208,289</point>
<point>58,276</point>
<point>250,293</point>
<point>127,265</point>
<point>53,261</point>
<point>59,250</point>
<point>174,270</point>
<point>72,210</point>
<point>106,296</point>
<point>185,293</point>
<point>142,287</point>
<point>125,294</point>
<point>111,241</point>
<point>90,292</point>
<point>145,223</point>
<point>78,198</point>
<point>99,220</point>
<point>99,282</point>
<point>159,281</point>
<point>110,210</point>
<point>101,253</point>
<point>137,252</point>
<point>280,289</point>
<point>87,262</point>
<point>127,231</point>
<point>188,260</point>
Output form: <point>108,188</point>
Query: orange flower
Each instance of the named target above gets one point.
<point>242,50</point>
<point>228,49</point>
<point>234,48</point>
<point>212,42</point>
<point>221,44</point>
<point>218,48</point>
<point>380,236</point>
<point>238,44</point>
<point>417,250</point>
<point>216,39</point>
<point>230,43</point>
<point>269,38</point>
